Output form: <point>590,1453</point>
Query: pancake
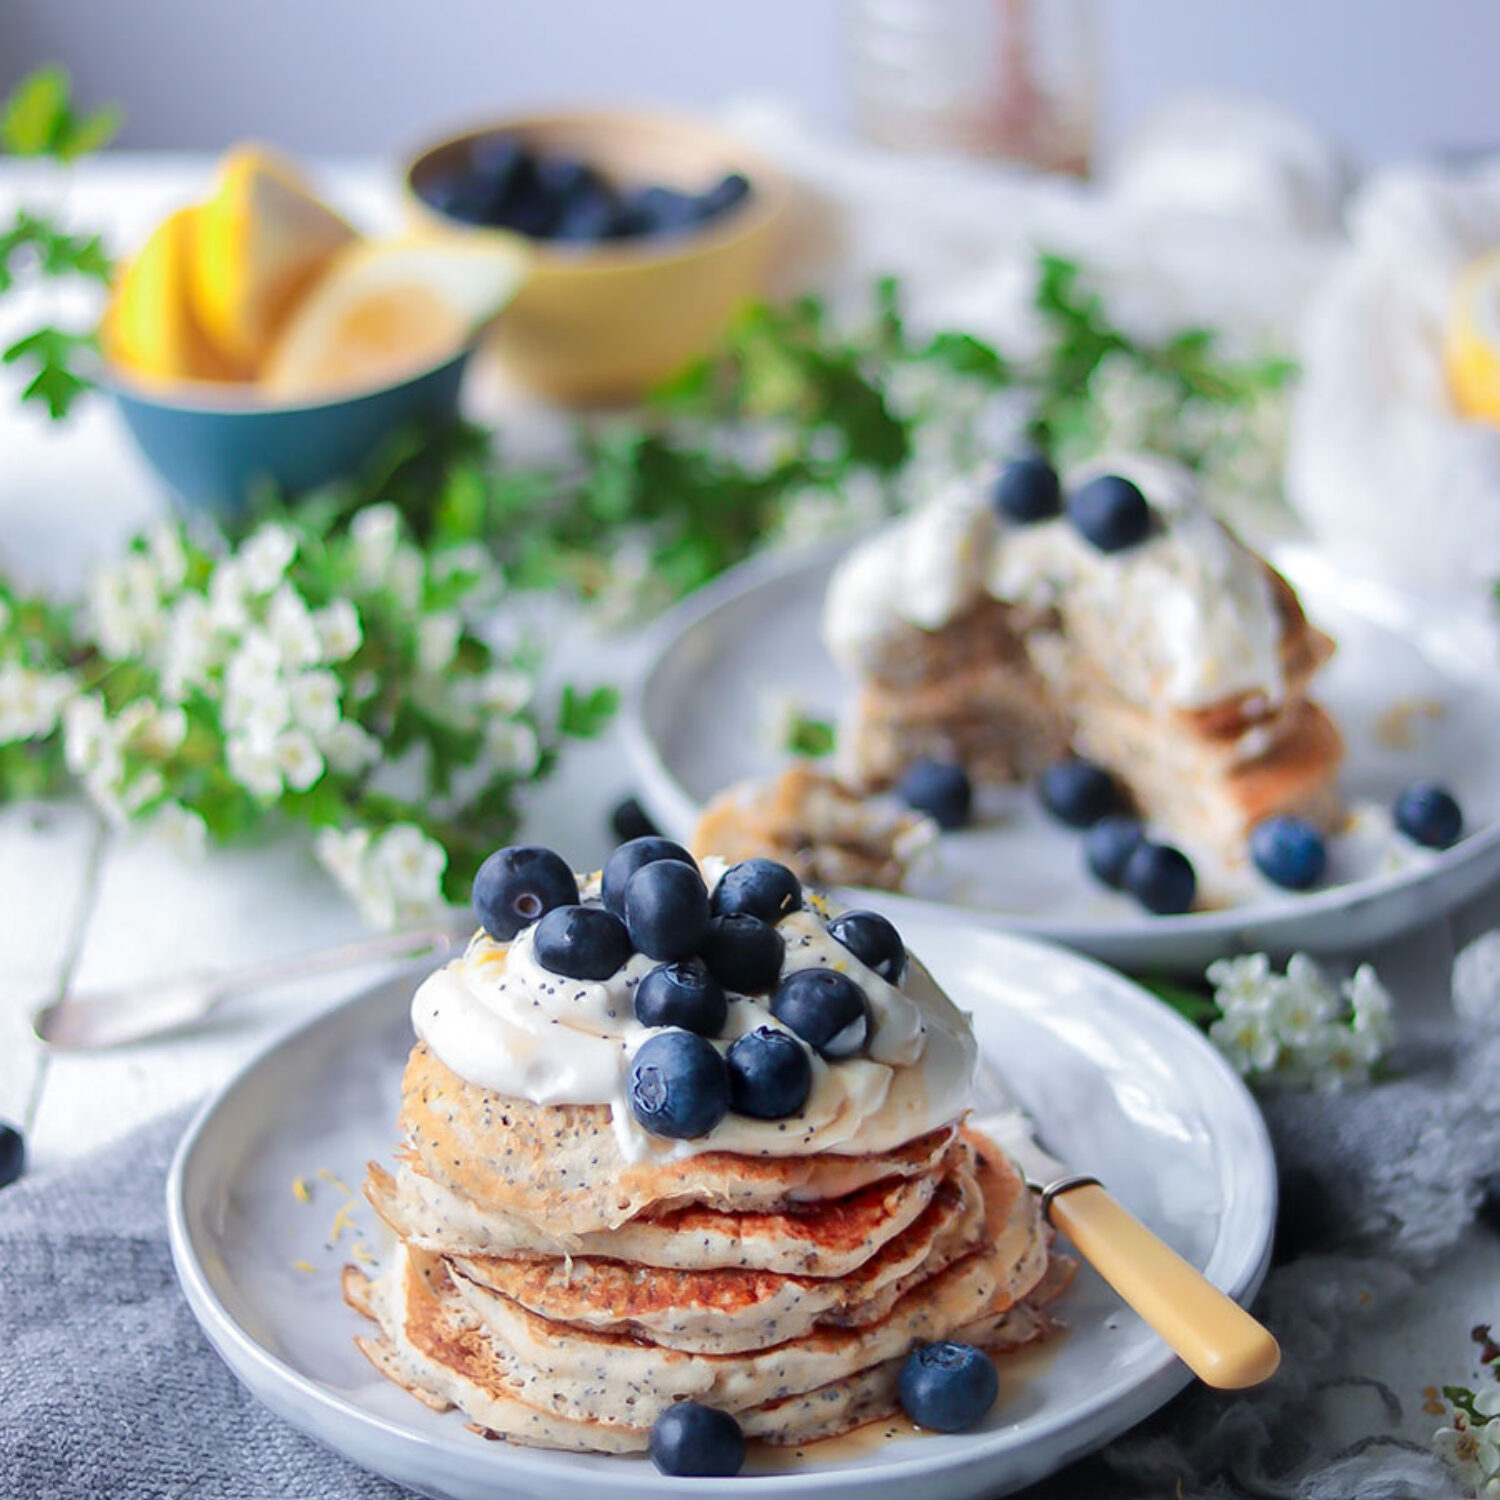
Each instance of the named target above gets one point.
<point>729,1311</point>
<point>546,1164</point>
<point>825,1237</point>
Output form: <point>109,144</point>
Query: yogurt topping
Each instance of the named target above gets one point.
<point>1188,617</point>
<point>500,1021</point>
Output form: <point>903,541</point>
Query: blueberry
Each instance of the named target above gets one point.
<point>629,858</point>
<point>528,210</point>
<point>938,788</point>
<point>630,820</point>
<point>587,219</point>
<point>682,994</point>
<point>730,189</point>
<point>1161,878</point>
<point>1109,845</point>
<point>12,1154</point>
<point>826,1009</point>
<point>689,1439</point>
<point>1110,512</point>
<point>1289,852</point>
<point>679,1085</point>
<point>1079,793</point>
<point>770,1074</point>
<point>873,941</point>
<point>581,942</point>
<point>460,198</point>
<point>502,171</point>
<point>743,953</point>
<point>1429,814</point>
<point>761,887</point>
<point>666,909</point>
<point>948,1386</point>
<point>566,177</point>
<point>1028,490</point>
<point>517,886</point>
<point>658,210</point>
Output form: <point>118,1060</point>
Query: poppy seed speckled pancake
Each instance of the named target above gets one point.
<point>825,1237</point>
<point>559,1166</point>
<point>729,1311</point>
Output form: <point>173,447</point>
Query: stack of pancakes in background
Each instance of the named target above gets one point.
<point>562,1295</point>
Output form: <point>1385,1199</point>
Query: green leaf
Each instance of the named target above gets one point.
<point>814,738</point>
<point>38,119</point>
<point>1192,1004</point>
<point>585,715</point>
<point>57,383</point>
<point>968,357</point>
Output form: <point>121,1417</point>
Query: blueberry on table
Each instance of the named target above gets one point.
<point>692,1440</point>
<point>764,888</point>
<point>743,953</point>
<point>1028,490</point>
<point>581,942</point>
<point>679,1085</point>
<point>826,1009</point>
<point>730,189</point>
<point>630,820</point>
<point>1108,846</point>
<point>1161,878</point>
<point>873,941</point>
<point>519,885</point>
<point>948,1386</point>
<point>940,789</point>
<point>629,858</point>
<point>1077,792</point>
<point>1289,852</point>
<point>1110,512</point>
<point>666,909</point>
<point>770,1074</point>
<point>682,994</point>
<point>12,1154</point>
<point>1430,814</point>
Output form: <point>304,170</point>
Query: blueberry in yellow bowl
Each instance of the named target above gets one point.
<point>646,232</point>
<point>257,337</point>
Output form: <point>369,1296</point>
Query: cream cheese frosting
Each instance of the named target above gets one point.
<point>1188,617</point>
<point>502,1022</point>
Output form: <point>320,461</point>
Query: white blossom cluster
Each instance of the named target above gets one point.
<point>1470,1445</point>
<point>1300,1029</point>
<point>252,677</point>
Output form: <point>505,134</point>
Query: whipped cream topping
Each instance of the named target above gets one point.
<point>502,1022</point>
<point>1188,617</point>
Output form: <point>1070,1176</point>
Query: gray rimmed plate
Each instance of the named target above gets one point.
<point>696,720</point>
<point>1120,1085</point>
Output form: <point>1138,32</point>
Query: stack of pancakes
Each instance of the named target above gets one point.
<point>561,1295</point>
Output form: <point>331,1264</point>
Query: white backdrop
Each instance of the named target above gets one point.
<point>1390,77</point>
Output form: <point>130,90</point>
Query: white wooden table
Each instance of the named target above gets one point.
<point>83,907</point>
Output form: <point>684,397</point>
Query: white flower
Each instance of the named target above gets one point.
<point>255,667</point>
<point>315,702</point>
<point>291,627</point>
<point>181,829</point>
<point>143,790</point>
<point>512,744</point>
<point>504,691</point>
<point>341,852</point>
<point>86,736</point>
<point>252,762</point>
<point>376,533</point>
<point>265,557</point>
<point>411,865</point>
<point>228,607</point>
<point>162,732</point>
<point>1303,1003</point>
<point>437,640</point>
<point>1337,1057</point>
<point>1245,1037</point>
<point>350,748</point>
<point>339,630</point>
<point>297,759</point>
<point>31,702</point>
<point>471,562</point>
<point>403,578</point>
<point>1473,1453</point>
<point>164,547</point>
<point>125,608</point>
<point>1243,983</point>
<point>1370,1002</point>
<point>192,646</point>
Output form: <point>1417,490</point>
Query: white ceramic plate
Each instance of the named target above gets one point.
<point>697,722</point>
<point>1120,1084</point>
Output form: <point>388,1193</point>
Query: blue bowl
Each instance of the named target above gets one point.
<point>214,447</point>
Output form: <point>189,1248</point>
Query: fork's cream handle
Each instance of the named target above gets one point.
<point>1210,1333</point>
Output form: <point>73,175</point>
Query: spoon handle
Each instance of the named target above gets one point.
<point>1208,1331</point>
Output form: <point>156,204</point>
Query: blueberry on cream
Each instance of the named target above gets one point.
<point>828,1010</point>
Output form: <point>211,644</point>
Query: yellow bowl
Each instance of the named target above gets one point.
<point>604,323</point>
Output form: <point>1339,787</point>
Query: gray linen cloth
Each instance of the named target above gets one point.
<point>107,1388</point>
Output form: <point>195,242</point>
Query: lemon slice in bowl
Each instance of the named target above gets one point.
<point>1471,340</point>
<point>149,327</point>
<point>387,308</point>
<point>263,240</point>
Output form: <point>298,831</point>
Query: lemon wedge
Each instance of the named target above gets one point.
<point>387,308</point>
<point>149,327</point>
<point>1471,340</point>
<point>263,240</point>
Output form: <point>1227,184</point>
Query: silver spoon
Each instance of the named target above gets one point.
<point>97,1019</point>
